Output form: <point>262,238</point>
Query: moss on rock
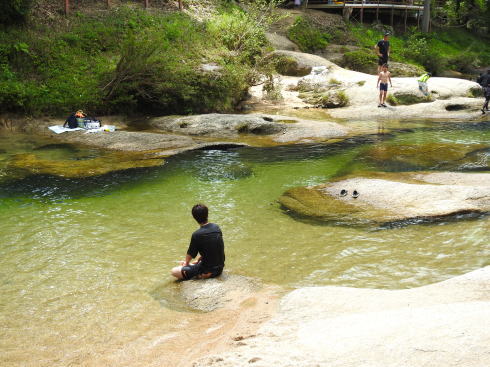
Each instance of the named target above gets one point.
<point>404,99</point>
<point>108,162</point>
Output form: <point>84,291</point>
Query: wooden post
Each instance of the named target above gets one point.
<point>108,3</point>
<point>362,10</point>
<point>180,5</point>
<point>426,16</point>
<point>406,15</point>
<point>392,14</point>
<point>67,7</point>
<point>377,13</point>
<point>346,13</point>
<point>418,19</point>
<point>147,4</point>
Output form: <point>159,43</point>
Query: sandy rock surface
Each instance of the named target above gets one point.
<point>281,129</point>
<point>442,324</point>
<point>390,199</point>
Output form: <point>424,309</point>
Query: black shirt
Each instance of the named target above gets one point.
<point>208,241</point>
<point>384,47</point>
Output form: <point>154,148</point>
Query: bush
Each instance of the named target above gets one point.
<point>306,36</point>
<point>475,92</point>
<point>14,11</point>
<point>464,62</point>
<point>130,60</point>
<point>360,60</point>
<point>398,99</point>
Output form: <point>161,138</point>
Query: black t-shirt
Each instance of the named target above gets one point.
<point>383,47</point>
<point>208,242</point>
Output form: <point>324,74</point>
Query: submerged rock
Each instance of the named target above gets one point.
<point>387,198</point>
<point>409,157</point>
<point>77,168</point>
<point>210,294</point>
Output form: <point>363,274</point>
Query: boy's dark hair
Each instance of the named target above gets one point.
<point>200,213</point>
<point>384,66</point>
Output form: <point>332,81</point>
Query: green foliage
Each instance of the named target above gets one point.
<point>474,15</point>
<point>133,61</point>
<point>14,11</point>
<point>475,92</point>
<point>452,48</point>
<point>360,60</point>
<point>306,36</point>
<point>398,99</point>
<point>342,98</point>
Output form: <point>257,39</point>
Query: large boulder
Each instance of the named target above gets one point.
<point>387,198</point>
<point>279,128</point>
<point>435,325</point>
<point>218,125</point>
<point>280,42</point>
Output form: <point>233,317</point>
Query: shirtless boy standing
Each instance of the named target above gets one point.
<point>383,78</point>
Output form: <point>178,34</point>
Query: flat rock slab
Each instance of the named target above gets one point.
<point>282,129</point>
<point>210,294</point>
<point>392,198</point>
<point>129,141</point>
<point>443,324</point>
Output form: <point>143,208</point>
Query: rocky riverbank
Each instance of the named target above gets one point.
<point>448,98</point>
<point>442,324</point>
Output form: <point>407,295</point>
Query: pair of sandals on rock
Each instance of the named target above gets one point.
<point>344,192</point>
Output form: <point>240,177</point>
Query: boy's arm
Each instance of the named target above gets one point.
<point>379,78</point>
<point>389,78</point>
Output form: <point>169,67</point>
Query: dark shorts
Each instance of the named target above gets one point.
<point>382,60</point>
<point>486,92</point>
<point>383,86</point>
<point>193,270</point>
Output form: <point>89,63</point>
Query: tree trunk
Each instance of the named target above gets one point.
<point>180,5</point>
<point>426,16</point>
<point>67,7</point>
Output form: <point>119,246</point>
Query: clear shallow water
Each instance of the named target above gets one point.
<point>84,262</point>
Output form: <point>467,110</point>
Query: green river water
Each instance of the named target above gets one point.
<point>84,263</point>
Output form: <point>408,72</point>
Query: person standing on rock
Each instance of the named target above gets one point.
<point>383,51</point>
<point>383,79</point>
<point>484,81</point>
<point>207,241</point>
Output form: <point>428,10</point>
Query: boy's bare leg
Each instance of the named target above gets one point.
<point>177,272</point>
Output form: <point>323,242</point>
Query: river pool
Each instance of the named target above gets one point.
<point>84,262</point>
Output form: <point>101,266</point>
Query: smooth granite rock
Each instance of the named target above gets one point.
<point>442,324</point>
<point>391,198</point>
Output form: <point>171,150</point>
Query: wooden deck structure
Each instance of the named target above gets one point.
<point>401,7</point>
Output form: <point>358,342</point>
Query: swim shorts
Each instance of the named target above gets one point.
<point>193,270</point>
<point>382,60</point>
<point>383,86</point>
